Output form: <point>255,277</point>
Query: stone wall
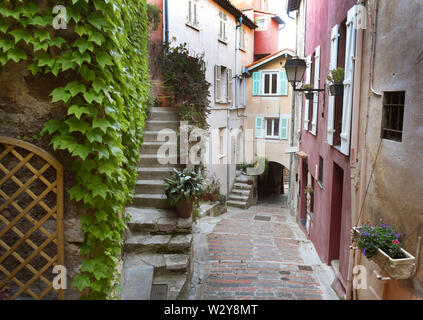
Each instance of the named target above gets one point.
<point>24,108</point>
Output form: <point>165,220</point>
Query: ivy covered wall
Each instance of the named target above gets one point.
<point>74,81</point>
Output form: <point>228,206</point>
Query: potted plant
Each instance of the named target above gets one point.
<point>182,188</point>
<point>336,80</point>
<point>382,245</point>
<point>250,182</point>
<point>309,94</point>
<point>215,191</point>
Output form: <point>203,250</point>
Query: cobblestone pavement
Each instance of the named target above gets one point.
<point>241,255</point>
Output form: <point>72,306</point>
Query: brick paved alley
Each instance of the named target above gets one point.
<point>259,253</point>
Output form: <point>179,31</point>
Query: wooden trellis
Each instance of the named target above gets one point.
<point>28,202</point>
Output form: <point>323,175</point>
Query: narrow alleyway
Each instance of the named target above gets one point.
<point>258,253</point>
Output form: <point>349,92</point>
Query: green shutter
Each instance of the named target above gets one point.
<point>259,132</point>
<point>256,83</point>
<point>283,128</point>
<point>283,84</point>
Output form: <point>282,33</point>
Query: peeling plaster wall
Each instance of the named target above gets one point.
<point>24,108</point>
<point>395,191</point>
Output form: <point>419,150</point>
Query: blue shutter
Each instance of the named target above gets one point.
<point>283,84</point>
<point>257,83</point>
<point>283,128</point>
<point>259,132</point>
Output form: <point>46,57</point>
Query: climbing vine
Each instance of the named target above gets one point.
<point>101,57</point>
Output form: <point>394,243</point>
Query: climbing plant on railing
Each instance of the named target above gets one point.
<point>101,56</point>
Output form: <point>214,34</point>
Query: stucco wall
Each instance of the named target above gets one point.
<point>395,190</point>
<point>269,107</point>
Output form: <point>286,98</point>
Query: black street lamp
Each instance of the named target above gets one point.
<point>295,69</point>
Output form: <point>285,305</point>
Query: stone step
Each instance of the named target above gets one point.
<point>242,186</point>
<point>156,243</point>
<point>158,125</point>
<point>161,262</point>
<point>176,282</point>
<point>159,201</point>
<point>157,221</point>
<point>162,133</point>
<point>243,179</point>
<point>153,160</point>
<point>159,173</point>
<point>154,146</point>
<point>163,114</point>
<point>241,192</point>
<point>237,204</point>
<point>238,198</point>
<point>150,186</point>
<point>137,282</point>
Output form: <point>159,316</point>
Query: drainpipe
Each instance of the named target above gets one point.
<point>354,148</point>
<point>372,72</point>
<point>166,21</point>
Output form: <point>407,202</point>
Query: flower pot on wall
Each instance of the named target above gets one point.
<point>336,89</point>
<point>184,208</point>
<point>214,197</point>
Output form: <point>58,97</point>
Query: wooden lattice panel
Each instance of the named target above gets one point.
<point>31,221</point>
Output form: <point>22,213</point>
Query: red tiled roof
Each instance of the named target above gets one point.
<point>270,56</point>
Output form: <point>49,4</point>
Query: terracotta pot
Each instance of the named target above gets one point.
<point>250,182</point>
<point>206,197</point>
<point>184,208</point>
<point>213,197</point>
<point>336,89</point>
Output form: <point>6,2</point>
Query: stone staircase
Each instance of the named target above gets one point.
<point>242,192</point>
<point>158,243</point>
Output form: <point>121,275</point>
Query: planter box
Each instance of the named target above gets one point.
<point>395,268</point>
<point>309,95</point>
<point>336,89</point>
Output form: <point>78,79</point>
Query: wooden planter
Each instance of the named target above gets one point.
<point>396,268</point>
<point>336,89</point>
<point>184,208</point>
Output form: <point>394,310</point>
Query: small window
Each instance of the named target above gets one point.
<point>223,84</point>
<point>242,38</point>
<point>320,181</point>
<point>192,18</point>
<point>393,115</point>
<point>261,24</point>
<point>272,128</point>
<point>270,83</point>
<point>223,18</point>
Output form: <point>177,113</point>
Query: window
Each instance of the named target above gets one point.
<point>223,87</point>
<point>270,82</point>
<point>223,18</point>
<point>320,181</point>
<point>272,128</point>
<point>261,24</point>
<point>192,18</point>
<point>393,115</point>
<point>242,38</point>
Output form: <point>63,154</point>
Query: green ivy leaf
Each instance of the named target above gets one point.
<point>107,168</point>
<point>6,44</point>
<point>87,74</point>
<point>51,126</point>
<point>82,151</point>
<point>81,282</point>
<point>103,59</point>
<point>60,94</point>
<point>40,46</point>
<point>99,84</point>
<point>64,143</point>
<point>95,135</point>
<point>103,153</point>
<point>96,37</point>
<point>33,68</point>
<point>96,18</point>
<point>77,125</point>
<point>4,26</point>
<point>81,58</point>
<point>75,88</point>
<point>78,111</point>
<point>29,9</point>
<point>42,35</point>
<point>76,193</point>
<point>20,34</point>
<point>16,54</point>
<point>38,21</point>
<point>91,96</point>
<point>82,44</point>
<point>44,59</point>
<point>3,58</point>
<point>101,215</point>
<point>101,123</point>
<point>57,41</point>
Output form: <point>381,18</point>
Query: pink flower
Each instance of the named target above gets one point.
<point>395,242</point>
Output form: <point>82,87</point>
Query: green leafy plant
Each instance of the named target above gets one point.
<point>184,184</point>
<point>100,63</point>
<point>184,76</point>
<point>336,76</point>
<point>222,199</point>
<point>308,86</point>
<point>384,237</point>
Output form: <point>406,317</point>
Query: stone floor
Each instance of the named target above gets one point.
<point>254,254</point>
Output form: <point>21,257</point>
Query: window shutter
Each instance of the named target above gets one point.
<point>283,128</point>
<point>256,83</point>
<point>189,18</point>
<point>307,102</point>
<point>217,83</point>
<point>316,94</point>
<point>195,20</point>
<point>283,84</point>
<point>332,65</point>
<point>348,81</point>
<point>259,132</point>
<point>230,85</point>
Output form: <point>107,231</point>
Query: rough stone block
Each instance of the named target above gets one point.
<point>137,283</point>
